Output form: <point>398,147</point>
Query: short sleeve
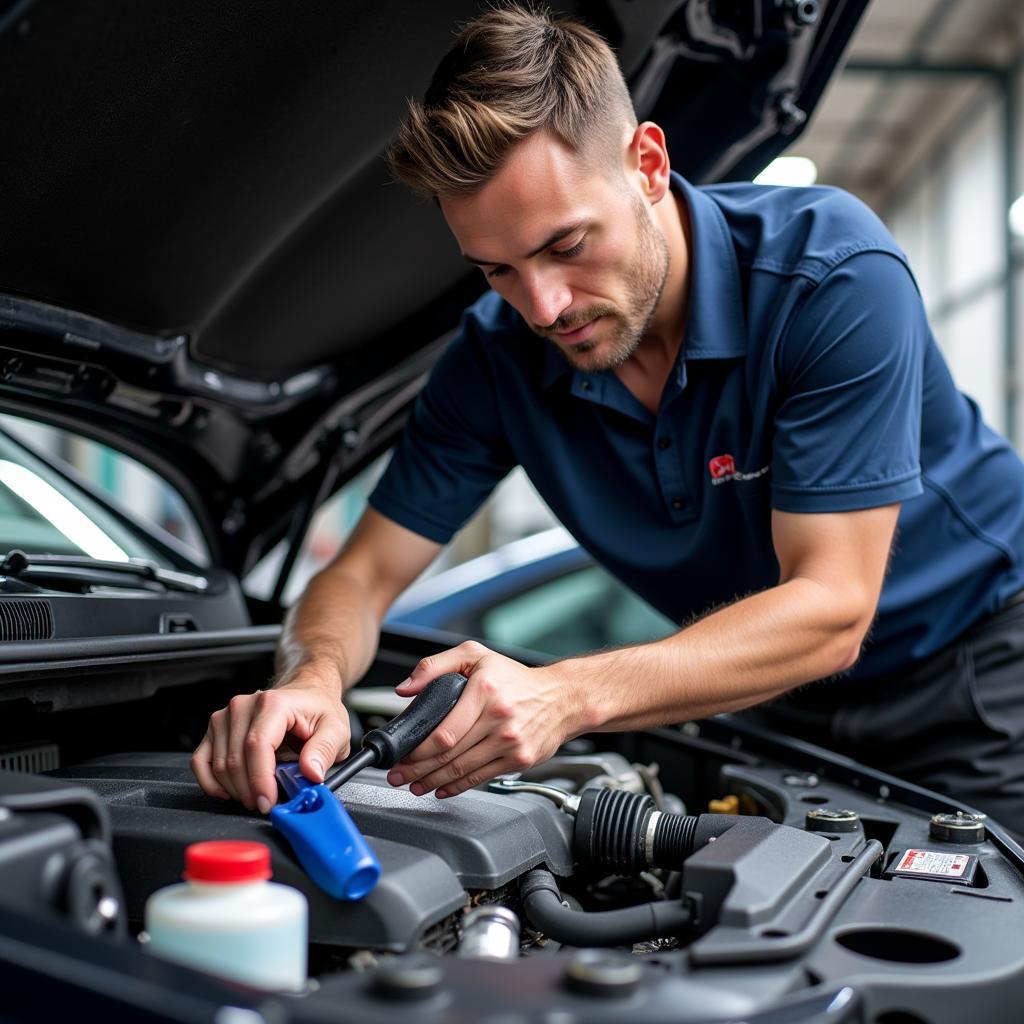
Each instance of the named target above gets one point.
<point>850,369</point>
<point>453,450</point>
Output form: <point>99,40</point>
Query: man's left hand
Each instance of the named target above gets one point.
<point>508,718</point>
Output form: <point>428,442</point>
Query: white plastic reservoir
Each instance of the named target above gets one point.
<point>226,918</point>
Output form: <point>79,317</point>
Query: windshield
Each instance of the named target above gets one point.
<point>43,512</point>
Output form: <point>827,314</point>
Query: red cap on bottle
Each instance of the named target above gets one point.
<point>227,860</point>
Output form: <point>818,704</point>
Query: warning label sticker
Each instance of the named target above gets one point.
<point>929,862</point>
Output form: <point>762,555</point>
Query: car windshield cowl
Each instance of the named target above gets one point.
<point>21,565</point>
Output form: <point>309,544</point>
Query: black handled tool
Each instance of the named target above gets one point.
<point>386,746</point>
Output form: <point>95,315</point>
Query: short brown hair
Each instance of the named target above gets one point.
<point>509,73</point>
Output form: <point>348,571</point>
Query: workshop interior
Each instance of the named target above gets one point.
<point>216,311</point>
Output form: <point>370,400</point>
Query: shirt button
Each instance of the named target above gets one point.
<point>677,504</point>
<point>664,443</point>
<point>585,385</point>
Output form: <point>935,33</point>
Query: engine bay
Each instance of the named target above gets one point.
<point>706,872</point>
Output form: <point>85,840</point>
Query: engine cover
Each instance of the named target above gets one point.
<point>431,851</point>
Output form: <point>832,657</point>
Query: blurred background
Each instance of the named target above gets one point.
<point>925,123</point>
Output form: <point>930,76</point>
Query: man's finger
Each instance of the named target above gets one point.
<point>417,771</point>
<point>203,772</point>
<point>449,736</point>
<point>219,761</point>
<point>327,744</point>
<point>489,771</point>
<point>240,709</point>
<point>265,734</point>
<point>462,659</point>
<point>466,764</point>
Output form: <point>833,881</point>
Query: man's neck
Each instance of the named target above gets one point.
<point>647,369</point>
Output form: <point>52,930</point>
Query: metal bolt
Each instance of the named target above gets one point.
<point>957,828</point>
<point>603,972</point>
<point>832,819</point>
<point>805,12</point>
<point>410,977</point>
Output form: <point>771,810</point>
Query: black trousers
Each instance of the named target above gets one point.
<point>954,723</point>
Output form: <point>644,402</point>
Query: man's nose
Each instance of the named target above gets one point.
<point>547,297</point>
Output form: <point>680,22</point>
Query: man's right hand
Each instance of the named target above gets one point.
<point>237,756</point>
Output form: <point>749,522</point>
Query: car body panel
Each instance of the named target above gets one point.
<point>542,593</point>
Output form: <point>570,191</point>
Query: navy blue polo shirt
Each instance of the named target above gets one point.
<point>808,381</point>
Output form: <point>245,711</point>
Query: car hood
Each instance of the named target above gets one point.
<point>204,260</point>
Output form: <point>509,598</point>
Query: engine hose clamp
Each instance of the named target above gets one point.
<point>649,834</point>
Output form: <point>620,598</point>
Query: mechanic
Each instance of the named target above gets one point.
<point>731,397</point>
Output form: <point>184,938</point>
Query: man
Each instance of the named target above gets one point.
<point>731,397</point>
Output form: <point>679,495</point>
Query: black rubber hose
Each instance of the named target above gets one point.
<point>622,832</point>
<point>542,902</point>
<point>609,830</point>
<point>674,840</point>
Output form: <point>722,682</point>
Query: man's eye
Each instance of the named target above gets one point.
<point>574,251</point>
<point>496,272</point>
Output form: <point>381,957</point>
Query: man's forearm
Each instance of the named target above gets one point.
<point>330,634</point>
<point>808,627</point>
<point>738,656</point>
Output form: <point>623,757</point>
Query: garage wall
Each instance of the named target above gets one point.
<point>950,220</point>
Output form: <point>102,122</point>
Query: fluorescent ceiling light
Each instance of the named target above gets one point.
<point>1016,216</point>
<point>56,509</point>
<point>789,170</point>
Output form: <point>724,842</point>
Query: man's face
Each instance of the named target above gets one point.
<point>572,247</point>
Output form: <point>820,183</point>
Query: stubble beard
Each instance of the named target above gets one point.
<point>645,283</point>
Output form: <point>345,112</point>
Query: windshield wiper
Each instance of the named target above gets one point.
<point>95,570</point>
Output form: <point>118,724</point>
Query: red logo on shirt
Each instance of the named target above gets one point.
<point>722,465</point>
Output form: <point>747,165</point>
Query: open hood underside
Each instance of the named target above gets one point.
<point>203,256</point>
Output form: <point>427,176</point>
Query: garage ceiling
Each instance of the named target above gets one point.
<point>875,126</point>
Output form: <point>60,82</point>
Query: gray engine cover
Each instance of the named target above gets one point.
<point>431,851</point>
<point>486,838</point>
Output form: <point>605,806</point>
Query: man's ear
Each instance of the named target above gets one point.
<point>647,161</point>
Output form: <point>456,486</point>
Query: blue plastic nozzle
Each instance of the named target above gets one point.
<point>324,837</point>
